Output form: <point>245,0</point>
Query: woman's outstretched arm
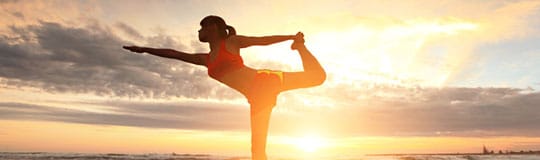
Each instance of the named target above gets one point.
<point>246,41</point>
<point>198,59</point>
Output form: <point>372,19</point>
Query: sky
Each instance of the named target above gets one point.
<point>403,77</point>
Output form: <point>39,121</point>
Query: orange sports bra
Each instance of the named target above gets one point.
<point>224,63</point>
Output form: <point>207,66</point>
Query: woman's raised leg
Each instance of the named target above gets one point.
<point>313,74</point>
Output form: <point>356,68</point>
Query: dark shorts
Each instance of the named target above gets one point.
<point>264,89</point>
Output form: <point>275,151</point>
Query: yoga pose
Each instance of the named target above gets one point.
<point>260,87</point>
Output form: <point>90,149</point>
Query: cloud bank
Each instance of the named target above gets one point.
<point>59,58</point>
<point>474,112</point>
<point>149,115</point>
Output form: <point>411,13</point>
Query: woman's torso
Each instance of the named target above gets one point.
<point>238,79</point>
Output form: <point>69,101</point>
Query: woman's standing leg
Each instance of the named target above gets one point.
<point>262,97</point>
<point>259,130</point>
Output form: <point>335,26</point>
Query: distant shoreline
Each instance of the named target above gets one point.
<point>453,154</point>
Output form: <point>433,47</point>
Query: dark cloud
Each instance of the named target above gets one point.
<point>18,15</point>
<point>430,112</point>
<point>205,116</point>
<point>386,110</point>
<point>128,30</point>
<point>8,1</point>
<point>410,111</point>
<point>90,59</point>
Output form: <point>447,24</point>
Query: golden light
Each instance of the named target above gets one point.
<point>309,143</point>
<point>387,54</point>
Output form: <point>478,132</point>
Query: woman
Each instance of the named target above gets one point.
<point>260,87</point>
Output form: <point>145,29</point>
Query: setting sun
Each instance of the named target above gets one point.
<point>309,143</point>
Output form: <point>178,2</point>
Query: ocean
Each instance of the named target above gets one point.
<point>116,156</point>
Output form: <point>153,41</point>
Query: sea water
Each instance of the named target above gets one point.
<point>115,156</point>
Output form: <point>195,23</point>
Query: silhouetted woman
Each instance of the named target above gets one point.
<point>260,87</point>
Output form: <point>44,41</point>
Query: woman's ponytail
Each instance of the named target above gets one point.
<point>231,31</point>
<point>224,30</point>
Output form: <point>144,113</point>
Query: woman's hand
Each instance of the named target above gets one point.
<point>299,36</point>
<point>298,41</point>
<point>135,49</point>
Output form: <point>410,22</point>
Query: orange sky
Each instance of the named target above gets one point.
<point>403,76</point>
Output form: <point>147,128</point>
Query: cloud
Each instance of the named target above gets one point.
<point>434,42</point>
<point>423,112</point>
<point>402,60</point>
<point>450,111</point>
<point>60,58</point>
<point>8,1</point>
<point>18,15</point>
<point>202,116</point>
<point>128,30</point>
<point>362,111</point>
<point>21,13</point>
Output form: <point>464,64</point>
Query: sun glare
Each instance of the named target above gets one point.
<point>309,143</point>
<point>391,54</point>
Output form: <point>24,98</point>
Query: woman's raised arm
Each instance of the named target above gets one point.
<point>246,41</point>
<point>198,59</point>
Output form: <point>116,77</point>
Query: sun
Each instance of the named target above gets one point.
<point>309,143</point>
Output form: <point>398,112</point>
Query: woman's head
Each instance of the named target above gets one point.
<point>214,27</point>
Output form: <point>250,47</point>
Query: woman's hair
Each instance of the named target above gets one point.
<point>224,30</point>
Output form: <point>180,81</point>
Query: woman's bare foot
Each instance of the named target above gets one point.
<point>298,41</point>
